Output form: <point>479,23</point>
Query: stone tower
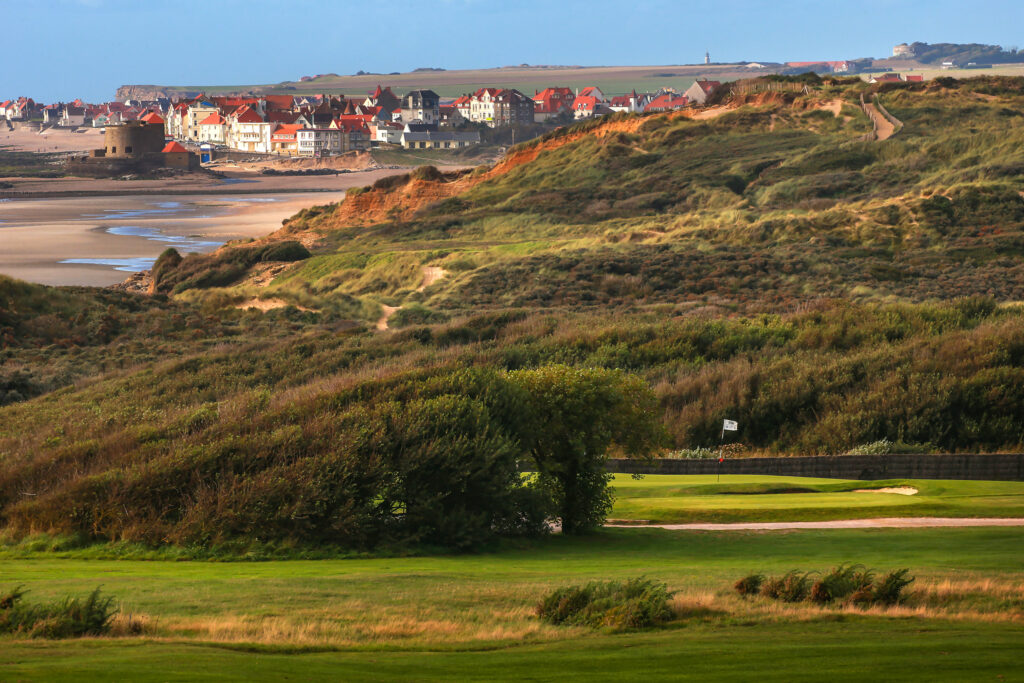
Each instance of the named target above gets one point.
<point>707,57</point>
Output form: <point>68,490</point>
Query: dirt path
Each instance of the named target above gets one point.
<point>431,274</point>
<point>878,523</point>
<point>382,322</point>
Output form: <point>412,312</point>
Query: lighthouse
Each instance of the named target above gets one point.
<point>707,57</point>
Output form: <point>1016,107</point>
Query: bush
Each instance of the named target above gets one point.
<point>841,582</point>
<point>749,585</point>
<point>69,618</point>
<point>795,586</point>
<point>285,251</point>
<point>889,590</point>
<point>851,584</point>
<point>633,604</point>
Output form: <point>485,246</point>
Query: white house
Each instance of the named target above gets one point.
<point>319,142</point>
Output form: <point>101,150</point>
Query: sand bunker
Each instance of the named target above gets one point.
<point>901,490</point>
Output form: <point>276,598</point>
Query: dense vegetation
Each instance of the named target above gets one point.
<point>768,265</point>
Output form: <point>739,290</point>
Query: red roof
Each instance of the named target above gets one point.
<point>286,131</point>
<point>174,147</point>
<point>666,102</point>
<point>708,86</point>
<point>213,119</point>
<point>247,114</point>
<point>584,103</point>
<point>915,79</point>
<point>152,117</point>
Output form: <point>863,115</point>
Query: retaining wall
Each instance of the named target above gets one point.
<point>998,467</point>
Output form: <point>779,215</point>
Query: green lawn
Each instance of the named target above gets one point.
<point>741,498</point>
<point>469,617</point>
<point>848,650</point>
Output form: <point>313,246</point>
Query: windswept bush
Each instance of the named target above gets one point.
<point>850,584</point>
<point>619,605</point>
<point>71,617</point>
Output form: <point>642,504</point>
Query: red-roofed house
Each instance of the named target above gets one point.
<point>355,131</point>
<point>386,132</point>
<point>284,139</point>
<point>500,107</point>
<point>628,103</point>
<point>213,129</point>
<point>699,92</point>
<point>551,102</point>
<point>915,79</point>
<point>384,98</point>
<point>248,132</point>
<point>667,102</point>
<point>152,117</point>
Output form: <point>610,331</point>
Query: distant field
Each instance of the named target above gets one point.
<point>611,80</point>
<point>469,617</point>
<point>738,498</point>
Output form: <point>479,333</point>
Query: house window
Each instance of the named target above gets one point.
<point>113,150</point>
<point>127,150</point>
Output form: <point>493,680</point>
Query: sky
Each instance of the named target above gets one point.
<point>63,49</point>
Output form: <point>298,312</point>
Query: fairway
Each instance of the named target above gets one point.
<point>669,499</point>
<point>470,616</point>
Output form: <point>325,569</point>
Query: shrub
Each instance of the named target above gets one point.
<point>69,618</point>
<point>749,585</point>
<point>840,583</point>
<point>633,604</point>
<point>285,251</point>
<point>889,591</point>
<point>795,586</point>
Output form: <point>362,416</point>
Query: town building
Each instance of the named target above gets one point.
<point>630,103</point>
<point>439,139</point>
<point>499,107</point>
<point>699,92</point>
<point>551,102</point>
<point>421,106</point>
<point>319,142</point>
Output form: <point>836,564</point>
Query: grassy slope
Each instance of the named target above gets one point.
<point>675,499</point>
<point>444,616</point>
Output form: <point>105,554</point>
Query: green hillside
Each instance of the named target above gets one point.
<point>768,262</point>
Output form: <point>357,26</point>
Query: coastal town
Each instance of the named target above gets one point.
<point>327,125</point>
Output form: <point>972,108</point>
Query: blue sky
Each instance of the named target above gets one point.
<point>62,49</point>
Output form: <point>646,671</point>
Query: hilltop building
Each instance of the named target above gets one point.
<point>699,92</point>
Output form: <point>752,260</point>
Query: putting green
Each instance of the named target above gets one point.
<point>748,498</point>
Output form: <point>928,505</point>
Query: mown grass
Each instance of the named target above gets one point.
<point>421,609</point>
<point>671,499</point>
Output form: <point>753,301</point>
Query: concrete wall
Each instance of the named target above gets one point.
<point>999,467</point>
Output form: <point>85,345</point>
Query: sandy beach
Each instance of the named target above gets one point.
<point>101,240</point>
<point>88,231</point>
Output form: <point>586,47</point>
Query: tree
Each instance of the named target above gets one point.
<point>575,417</point>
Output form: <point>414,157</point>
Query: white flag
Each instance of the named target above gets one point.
<point>730,426</point>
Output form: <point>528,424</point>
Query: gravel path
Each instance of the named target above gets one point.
<point>879,523</point>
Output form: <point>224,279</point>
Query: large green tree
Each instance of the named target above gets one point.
<point>576,416</point>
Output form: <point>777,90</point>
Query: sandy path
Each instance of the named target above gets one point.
<point>382,323</point>
<point>883,128</point>
<point>878,523</point>
<point>431,274</point>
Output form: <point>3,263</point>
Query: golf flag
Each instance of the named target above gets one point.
<point>730,426</point>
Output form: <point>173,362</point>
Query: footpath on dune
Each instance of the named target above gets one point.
<point>878,523</point>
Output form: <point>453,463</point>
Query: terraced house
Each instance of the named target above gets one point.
<point>500,107</point>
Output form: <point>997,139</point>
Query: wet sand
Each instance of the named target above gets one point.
<point>127,233</point>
